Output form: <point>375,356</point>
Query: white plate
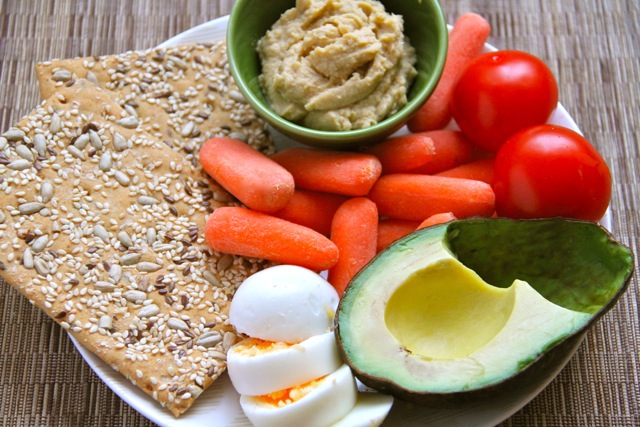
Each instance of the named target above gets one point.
<point>218,406</point>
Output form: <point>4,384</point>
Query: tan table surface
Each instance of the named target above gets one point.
<point>592,46</point>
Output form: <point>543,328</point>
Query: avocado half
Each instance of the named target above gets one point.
<point>462,311</point>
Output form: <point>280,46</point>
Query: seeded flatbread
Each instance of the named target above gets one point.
<point>101,226</point>
<point>183,95</point>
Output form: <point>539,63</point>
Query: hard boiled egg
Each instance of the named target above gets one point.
<point>318,403</point>
<point>285,303</point>
<point>259,367</point>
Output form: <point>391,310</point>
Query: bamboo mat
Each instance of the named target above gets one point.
<point>592,46</point>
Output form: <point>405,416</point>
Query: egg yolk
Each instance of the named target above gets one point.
<point>287,396</point>
<point>256,346</point>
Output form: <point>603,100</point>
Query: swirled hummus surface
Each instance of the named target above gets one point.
<point>336,64</point>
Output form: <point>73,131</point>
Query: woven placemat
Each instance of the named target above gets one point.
<point>592,46</point>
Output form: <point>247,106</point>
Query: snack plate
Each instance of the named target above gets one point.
<point>219,405</point>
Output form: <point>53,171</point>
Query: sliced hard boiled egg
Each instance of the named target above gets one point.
<point>370,410</point>
<point>318,403</point>
<point>259,367</point>
<point>285,303</point>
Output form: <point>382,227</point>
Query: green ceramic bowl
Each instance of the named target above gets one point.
<point>424,23</point>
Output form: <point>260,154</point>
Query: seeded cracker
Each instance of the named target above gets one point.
<point>183,95</point>
<point>101,226</point>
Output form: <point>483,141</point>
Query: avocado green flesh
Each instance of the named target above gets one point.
<point>431,314</point>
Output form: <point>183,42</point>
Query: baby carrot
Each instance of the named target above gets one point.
<point>466,41</point>
<point>438,218</point>
<point>416,197</point>
<point>311,209</point>
<point>390,229</point>
<point>252,177</point>
<point>480,170</point>
<point>450,149</point>
<point>403,153</point>
<point>242,231</point>
<point>354,230</point>
<point>337,172</point>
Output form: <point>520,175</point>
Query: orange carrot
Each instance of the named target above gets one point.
<point>241,231</point>
<point>337,172</point>
<point>354,230</point>
<point>480,170</point>
<point>390,229</point>
<point>252,177</point>
<point>403,153</point>
<point>466,41</point>
<point>451,149</point>
<point>439,218</point>
<point>416,197</point>
<point>312,209</point>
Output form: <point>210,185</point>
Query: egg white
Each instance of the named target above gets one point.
<point>285,303</point>
<point>258,367</point>
<point>330,399</point>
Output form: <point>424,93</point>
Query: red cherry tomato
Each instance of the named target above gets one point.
<point>500,93</point>
<point>547,171</point>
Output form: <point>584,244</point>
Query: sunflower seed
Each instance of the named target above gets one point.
<point>40,243</point>
<point>104,286</point>
<point>187,129</point>
<point>115,273</point>
<point>119,142</point>
<point>236,96</point>
<point>24,152</point>
<point>228,340</point>
<point>81,141</point>
<point>105,322</point>
<point>149,310</point>
<point>209,339</point>
<point>147,200</point>
<point>122,178</point>
<point>2,217</point>
<point>14,134</point>
<point>101,233</point>
<point>163,247</point>
<point>62,75</point>
<point>20,165</point>
<point>27,259</point>
<point>211,278</point>
<point>132,111</point>
<point>105,162</point>
<point>41,266</point>
<point>40,144</point>
<point>224,262</point>
<point>46,192</point>
<point>95,140</point>
<point>73,150</point>
<point>128,122</point>
<point>3,142</point>
<point>124,238</point>
<point>30,208</point>
<point>151,235</point>
<point>148,267</point>
<point>239,136</point>
<point>92,77</point>
<point>175,323</point>
<point>130,258</point>
<point>55,124</point>
<point>179,63</point>
<point>134,296</point>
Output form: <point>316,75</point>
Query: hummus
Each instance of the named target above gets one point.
<point>336,64</point>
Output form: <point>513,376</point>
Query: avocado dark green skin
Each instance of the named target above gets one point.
<point>502,265</point>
